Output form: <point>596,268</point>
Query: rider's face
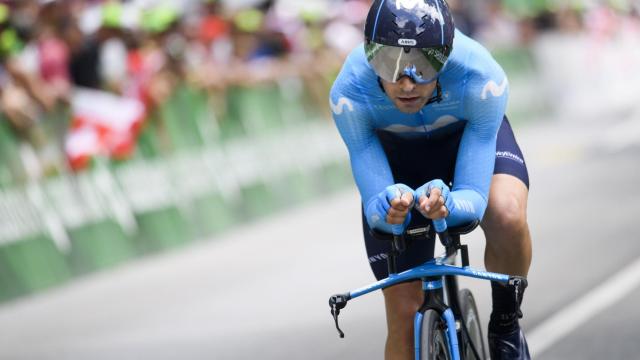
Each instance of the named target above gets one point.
<point>408,96</point>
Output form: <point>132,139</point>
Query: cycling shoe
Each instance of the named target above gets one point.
<point>511,346</point>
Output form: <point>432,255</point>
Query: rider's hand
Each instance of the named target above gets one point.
<point>389,210</point>
<point>400,205</point>
<point>433,200</point>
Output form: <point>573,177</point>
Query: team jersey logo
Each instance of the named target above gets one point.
<point>338,108</point>
<point>495,89</point>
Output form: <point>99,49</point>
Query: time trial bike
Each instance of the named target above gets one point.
<point>447,325</point>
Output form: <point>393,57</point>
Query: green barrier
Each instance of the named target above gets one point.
<point>97,246</point>
<point>259,200</point>
<point>29,259</point>
<point>179,115</point>
<point>257,109</point>
<point>294,103</point>
<point>162,229</point>
<point>212,214</point>
<point>148,188</point>
<point>334,176</point>
<point>205,117</point>
<point>171,186</point>
<point>294,188</point>
<point>11,169</point>
<point>183,122</point>
<point>230,128</point>
<point>97,241</point>
<point>196,189</point>
<point>9,286</point>
<point>192,121</point>
<point>34,264</point>
<point>149,141</point>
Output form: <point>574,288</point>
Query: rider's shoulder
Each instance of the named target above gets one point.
<point>356,79</point>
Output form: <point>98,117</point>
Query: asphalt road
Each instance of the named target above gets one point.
<point>261,291</point>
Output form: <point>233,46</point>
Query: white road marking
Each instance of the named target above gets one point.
<point>577,313</point>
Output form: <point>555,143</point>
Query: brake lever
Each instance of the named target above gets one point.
<point>520,283</point>
<point>337,303</point>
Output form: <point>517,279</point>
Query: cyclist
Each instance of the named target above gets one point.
<point>421,101</point>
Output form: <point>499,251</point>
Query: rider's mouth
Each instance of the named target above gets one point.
<point>409,100</point>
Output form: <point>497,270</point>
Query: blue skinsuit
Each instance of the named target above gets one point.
<point>475,91</point>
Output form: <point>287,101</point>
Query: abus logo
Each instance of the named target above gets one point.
<point>407,42</point>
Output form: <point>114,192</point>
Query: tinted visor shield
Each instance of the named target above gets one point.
<point>391,63</point>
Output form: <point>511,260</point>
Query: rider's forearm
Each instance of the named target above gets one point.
<point>468,206</point>
<point>370,184</point>
<point>369,164</point>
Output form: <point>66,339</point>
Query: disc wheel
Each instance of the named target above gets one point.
<point>472,321</point>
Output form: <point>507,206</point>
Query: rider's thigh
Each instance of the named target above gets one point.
<point>507,207</point>
<point>402,301</point>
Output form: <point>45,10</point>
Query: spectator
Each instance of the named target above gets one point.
<point>84,57</point>
<point>48,47</point>
<point>498,30</point>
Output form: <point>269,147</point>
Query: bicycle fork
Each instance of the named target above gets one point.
<point>433,299</point>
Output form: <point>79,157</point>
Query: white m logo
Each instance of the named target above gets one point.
<point>338,108</point>
<point>495,89</point>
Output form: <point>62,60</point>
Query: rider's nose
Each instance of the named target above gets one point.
<point>406,84</point>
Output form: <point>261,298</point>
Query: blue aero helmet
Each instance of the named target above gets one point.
<point>411,38</point>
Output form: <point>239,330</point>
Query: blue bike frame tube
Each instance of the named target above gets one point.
<point>417,333</point>
<point>429,269</point>
<point>431,285</point>
<point>452,334</point>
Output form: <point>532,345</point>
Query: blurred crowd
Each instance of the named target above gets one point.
<point>50,50</point>
<point>513,23</point>
<point>142,50</point>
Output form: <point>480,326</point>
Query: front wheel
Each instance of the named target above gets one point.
<point>433,341</point>
<point>472,322</point>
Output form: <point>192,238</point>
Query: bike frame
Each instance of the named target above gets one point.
<point>432,273</point>
<point>437,275</point>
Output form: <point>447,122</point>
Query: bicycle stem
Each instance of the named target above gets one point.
<point>398,246</point>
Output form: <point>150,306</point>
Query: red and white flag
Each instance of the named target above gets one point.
<point>103,124</point>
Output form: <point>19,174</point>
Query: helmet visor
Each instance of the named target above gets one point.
<point>391,62</point>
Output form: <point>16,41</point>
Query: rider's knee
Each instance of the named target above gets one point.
<point>506,213</point>
<point>401,302</point>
